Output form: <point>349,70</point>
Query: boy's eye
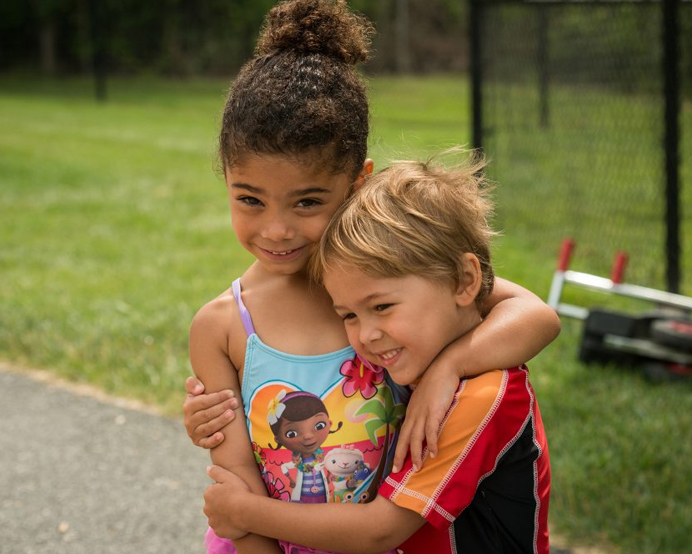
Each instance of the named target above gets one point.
<point>347,317</point>
<point>291,434</point>
<point>382,307</point>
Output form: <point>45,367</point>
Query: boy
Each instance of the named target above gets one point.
<point>406,261</point>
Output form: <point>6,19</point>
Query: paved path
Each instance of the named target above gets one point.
<point>81,474</point>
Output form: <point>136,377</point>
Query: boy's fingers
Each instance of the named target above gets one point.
<point>212,421</point>
<point>403,444</point>
<point>431,429</point>
<point>400,451</point>
<point>194,404</point>
<point>211,442</point>
<point>193,386</point>
<point>417,437</point>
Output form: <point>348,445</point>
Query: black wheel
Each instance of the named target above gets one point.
<point>660,372</point>
<point>591,349</point>
<point>676,333</point>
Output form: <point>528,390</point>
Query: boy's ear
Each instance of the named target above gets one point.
<point>368,167</point>
<point>471,280</point>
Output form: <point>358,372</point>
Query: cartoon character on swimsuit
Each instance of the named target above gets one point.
<point>300,423</point>
<point>348,469</point>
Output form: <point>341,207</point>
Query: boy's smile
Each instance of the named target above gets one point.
<point>401,323</point>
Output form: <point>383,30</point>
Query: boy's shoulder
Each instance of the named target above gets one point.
<point>480,397</point>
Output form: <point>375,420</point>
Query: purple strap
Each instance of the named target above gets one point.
<point>244,314</point>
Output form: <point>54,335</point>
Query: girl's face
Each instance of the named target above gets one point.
<point>280,207</point>
<point>304,436</point>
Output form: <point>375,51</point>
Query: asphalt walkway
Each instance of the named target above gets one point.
<point>81,473</point>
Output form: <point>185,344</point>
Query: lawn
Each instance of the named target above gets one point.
<point>115,230</point>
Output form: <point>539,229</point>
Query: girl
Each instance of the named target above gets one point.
<point>293,145</point>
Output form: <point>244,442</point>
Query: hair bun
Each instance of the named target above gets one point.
<point>327,27</point>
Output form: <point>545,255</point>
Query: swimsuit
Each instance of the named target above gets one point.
<point>362,407</point>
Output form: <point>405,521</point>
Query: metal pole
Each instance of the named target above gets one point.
<point>475,16</point>
<point>671,72</point>
<point>543,113</point>
<point>98,49</point>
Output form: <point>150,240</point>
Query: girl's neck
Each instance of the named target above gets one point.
<point>286,310</point>
<point>256,274</point>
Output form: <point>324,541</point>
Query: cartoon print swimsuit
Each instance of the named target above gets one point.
<point>323,428</point>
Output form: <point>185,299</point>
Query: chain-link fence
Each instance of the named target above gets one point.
<point>572,98</point>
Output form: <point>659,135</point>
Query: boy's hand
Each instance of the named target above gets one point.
<point>223,501</point>
<point>204,415</point>
<point>428,405</point>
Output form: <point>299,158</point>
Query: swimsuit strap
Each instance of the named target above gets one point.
<point>244,314</point>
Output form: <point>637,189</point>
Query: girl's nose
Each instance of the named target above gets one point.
<point>277,229</point>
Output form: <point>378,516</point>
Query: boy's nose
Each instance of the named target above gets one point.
<point>370,334</point>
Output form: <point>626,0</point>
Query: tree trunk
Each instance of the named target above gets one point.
<point>403,37</point>
<point>47,46</point>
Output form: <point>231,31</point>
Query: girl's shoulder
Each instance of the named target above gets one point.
<point>218,324</point>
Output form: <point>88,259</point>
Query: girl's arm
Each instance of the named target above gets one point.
<point>211,362</point>
<point>376,527</point>
<point>516,326</point>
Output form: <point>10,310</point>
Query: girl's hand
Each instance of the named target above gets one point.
<point>223,501</point>
<point>204,415</point>
<point>428,405</point>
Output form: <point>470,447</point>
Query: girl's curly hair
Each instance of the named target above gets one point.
<point>300,94</point>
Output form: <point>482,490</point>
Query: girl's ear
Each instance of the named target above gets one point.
<point>368,167</point>
<point>470,281</point>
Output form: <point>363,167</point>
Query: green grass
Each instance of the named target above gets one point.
<point>115,229</point>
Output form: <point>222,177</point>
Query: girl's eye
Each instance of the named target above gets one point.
<point>347,317</point>
<point>382,307</point>
<point>309,203</point>
<point>291,434</point>
<point>319,426</point>
<point>249,201</point>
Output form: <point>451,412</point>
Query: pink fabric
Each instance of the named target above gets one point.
<point>217,545</point>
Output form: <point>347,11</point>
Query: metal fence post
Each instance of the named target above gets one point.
<point>671,72</point>
<point>475,54</point>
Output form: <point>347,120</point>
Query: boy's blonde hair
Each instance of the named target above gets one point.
<point>413,218</point>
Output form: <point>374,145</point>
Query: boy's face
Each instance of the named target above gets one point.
<point>281,206</point>
<point>401,323</point>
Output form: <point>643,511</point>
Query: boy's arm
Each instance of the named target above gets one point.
<point>516,326</point>
<point>376,527</point>
<point>211,362</point>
